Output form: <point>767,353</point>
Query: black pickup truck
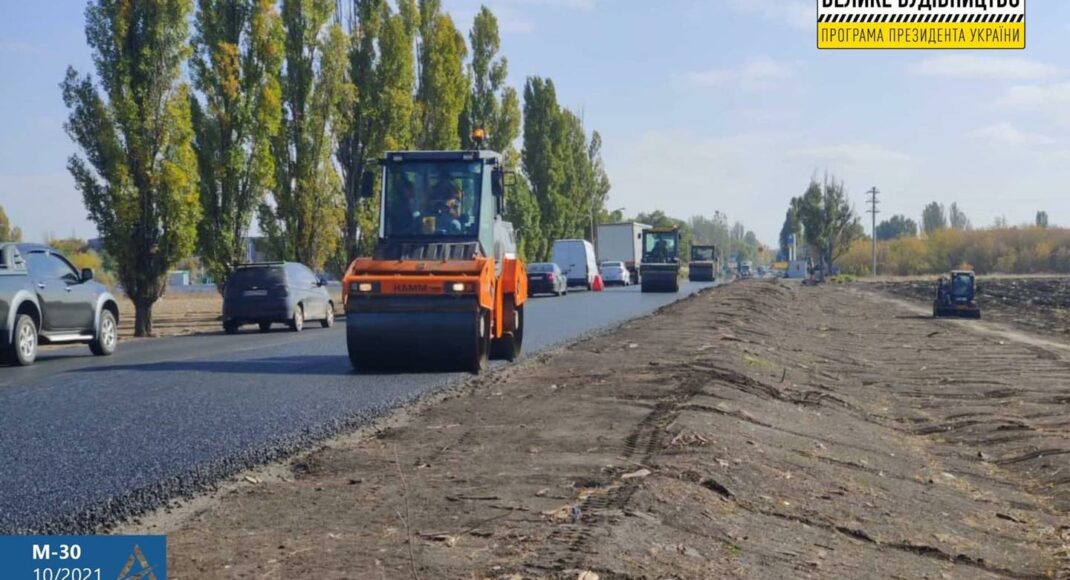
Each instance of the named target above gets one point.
<point>44,299</point>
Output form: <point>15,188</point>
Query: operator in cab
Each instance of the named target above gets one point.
<point>660,253</point>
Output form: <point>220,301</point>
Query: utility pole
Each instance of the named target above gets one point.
<point>873,211</point>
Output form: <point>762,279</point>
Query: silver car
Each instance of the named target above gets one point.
<point>615,274</point>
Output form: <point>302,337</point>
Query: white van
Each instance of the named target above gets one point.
<point>577,262</point>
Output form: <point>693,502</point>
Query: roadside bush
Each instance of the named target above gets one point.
<point>1027,250</point>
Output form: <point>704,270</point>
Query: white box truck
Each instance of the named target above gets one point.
<point>622,242</point>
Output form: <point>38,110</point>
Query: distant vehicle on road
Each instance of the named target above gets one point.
<point>275,292</point>
<point>616,274</point>
<point>703,265</point>
<point>660,268</point>
<point>45,300</point>
<point>622,242</point>
<point>577,262</point>
<point>745,270</point>
<point>546,278</point>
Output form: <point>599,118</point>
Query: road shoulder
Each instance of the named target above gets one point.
<point>761,429</point>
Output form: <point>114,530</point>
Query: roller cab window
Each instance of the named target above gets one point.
<point>432,199</point>
<point>659,248</point>
<point>702,254</point>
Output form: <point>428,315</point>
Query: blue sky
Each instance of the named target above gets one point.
<point>703,105</point>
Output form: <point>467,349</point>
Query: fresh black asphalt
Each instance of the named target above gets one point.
<point>86,441</point>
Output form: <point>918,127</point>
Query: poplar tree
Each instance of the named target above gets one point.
<point>381,67</point>
<point>236,64</point>
<point>138,170</point>
<point>491,104</point>
<point>305,220</point>
<point>540,159</point>
<point>443,86</point>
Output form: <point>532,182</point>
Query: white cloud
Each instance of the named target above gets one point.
<point>757,73</point>
<point>968,66</point>
<point>1007,134</point>
<point>794,13</point>
<point>848,154</point>
<point>1037,95</point>
<point>1050,102</point>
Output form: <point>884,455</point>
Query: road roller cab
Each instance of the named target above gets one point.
<point>659,270</point>
<point>444,288</point>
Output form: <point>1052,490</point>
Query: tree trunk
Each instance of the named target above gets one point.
<point>142,318</point>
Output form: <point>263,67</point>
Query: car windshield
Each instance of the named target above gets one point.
<point>659,247</point>
<point>432,198</point>
<point>702,254</point>
<point>259,277</point>
<point>540,268</point>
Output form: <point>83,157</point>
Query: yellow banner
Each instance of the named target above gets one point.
<point>930,35</point>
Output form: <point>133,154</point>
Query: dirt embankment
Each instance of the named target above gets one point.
<point>1033,303</point>
<point>761,430</point>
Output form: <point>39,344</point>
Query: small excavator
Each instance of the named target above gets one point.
<point>659,270</point>
<point>955,296</point>
<point>444,287</point>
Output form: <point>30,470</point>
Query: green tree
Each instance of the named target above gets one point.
<point>791,227</point>
<point>236,64</point>
<point>363,138</point>
<point>899,226</point>
<point>491,105</point>
<point>957,218</point>
<point>541,161</point>
<point>394,103</point>
<point>522,211</point>
<point>1042,221</point>
<point>933,218</point>
<point>8,233</point>
<point>138,176</point>
<point>305,222</point>
<point>579,193</point>
<point>443,87</point>
<point>600,184</point>
<point>829,222</point>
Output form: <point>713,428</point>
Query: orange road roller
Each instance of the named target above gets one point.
<point>444,289</point>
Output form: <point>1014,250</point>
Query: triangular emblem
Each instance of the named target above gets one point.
<point>144,572</point>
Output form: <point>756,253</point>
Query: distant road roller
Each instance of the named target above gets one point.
<point>703,264</point>
<point>444,288</point>
<point>660,267</point>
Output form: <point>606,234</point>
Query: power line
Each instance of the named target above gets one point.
<point>873,203</point>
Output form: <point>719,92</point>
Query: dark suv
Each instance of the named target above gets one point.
<point>265,293</point>
<point>45,300</point>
